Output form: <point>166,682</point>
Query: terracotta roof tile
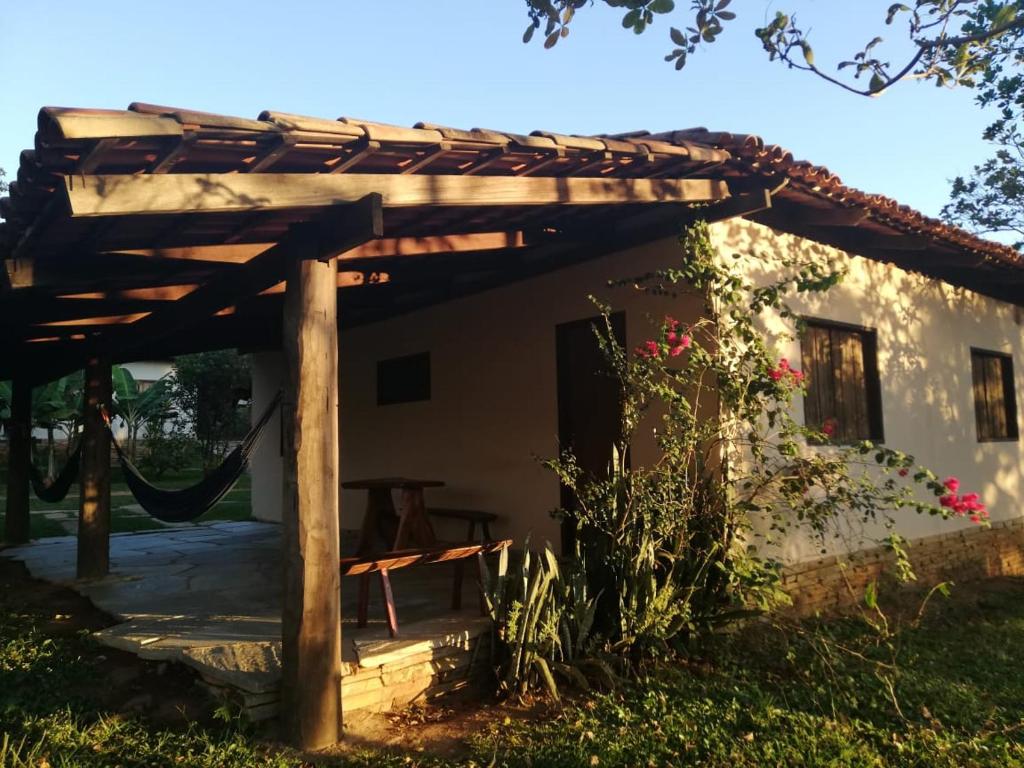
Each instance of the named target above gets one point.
<point>158,139</point>
<point>752,154</point>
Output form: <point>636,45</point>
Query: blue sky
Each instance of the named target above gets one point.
<point>462,63</point>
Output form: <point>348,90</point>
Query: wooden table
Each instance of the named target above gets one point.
<point>384,530</point>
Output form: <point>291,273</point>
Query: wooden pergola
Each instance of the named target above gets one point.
<point>155,231</point>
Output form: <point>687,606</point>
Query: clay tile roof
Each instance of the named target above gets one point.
<point>148,138</point>
<point>750,153</point>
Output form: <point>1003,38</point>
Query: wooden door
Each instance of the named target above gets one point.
<point>589,403</point>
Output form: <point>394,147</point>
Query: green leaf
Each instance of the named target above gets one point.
<point>662,6</point>
<point>677,37</point>
<point>808,53</point>
<point>871,595</point>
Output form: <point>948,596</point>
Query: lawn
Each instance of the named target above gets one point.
<point>60,518</point>
<point>767,698</point>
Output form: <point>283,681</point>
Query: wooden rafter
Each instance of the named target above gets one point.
<point>413,166</point>
<point>342,229</point>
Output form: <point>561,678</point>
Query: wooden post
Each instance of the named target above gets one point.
<point>94,474</point>
<point>19,454</point>
<point>311,615</point>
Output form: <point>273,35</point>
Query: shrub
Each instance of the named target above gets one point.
<point>685,545</point>
<point>169,450</point>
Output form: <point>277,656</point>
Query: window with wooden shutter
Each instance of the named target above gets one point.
<point>995,403</point>
<point>840,363</point>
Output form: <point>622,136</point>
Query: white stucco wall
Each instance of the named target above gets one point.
<point>925,330</point>
<point>266,468</point>
<point>493,408</point>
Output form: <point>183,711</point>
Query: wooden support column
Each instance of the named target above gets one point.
<point>94,474</point>
<point>19,447</point>
<point>311,615</point>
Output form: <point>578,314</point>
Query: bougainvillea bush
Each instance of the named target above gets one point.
<point>680,545</point>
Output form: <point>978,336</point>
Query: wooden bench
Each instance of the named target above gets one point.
<point>386,562</point>
<point>473,516</point>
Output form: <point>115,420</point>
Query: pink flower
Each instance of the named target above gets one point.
<point>975,519</point>
<point>948,500</point>
<point>648,349</point>
<point>685,341</point>
<point>798,376</point>
<point>952,484</point>
<point>775,373</point>
<point>829,427</point>
<point>783,364</point>
<point>671,322</point>
<point>677,350</point>
<point>671,337</point>
<point>904,472</point>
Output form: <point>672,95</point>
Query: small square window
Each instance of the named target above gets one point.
<point>995,403</point>
<point>840,363</point>
<point>403,379</point>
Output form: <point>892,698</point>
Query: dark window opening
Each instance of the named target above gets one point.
<point>840,363</point>
<point>995,403</point>
<point>403,379</point>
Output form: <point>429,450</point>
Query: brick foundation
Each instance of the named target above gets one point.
<point>831,584</point>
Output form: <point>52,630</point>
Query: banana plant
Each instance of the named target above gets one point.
<point>138,407</point>
<point>57,406</point>
<point>5,402</point>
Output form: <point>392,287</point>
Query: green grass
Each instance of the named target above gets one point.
<point>767,699</point>
<point>236,505</point>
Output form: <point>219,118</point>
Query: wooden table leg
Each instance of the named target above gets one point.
<point>379,523</point>
<point>413,526</point>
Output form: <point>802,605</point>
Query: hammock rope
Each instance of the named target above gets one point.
<point>187,504</point>
<point>56,489</point>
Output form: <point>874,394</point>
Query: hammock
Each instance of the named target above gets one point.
<point>58,488</point>
<point>187,504</point>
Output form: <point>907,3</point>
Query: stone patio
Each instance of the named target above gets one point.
<point>209,596</point>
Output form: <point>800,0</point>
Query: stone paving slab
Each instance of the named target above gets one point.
<point>209,596</point>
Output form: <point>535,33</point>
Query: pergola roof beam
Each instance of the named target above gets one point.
<point>119,195</point>
<point>342,230</point>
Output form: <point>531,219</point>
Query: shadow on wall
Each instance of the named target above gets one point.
<point>925,331</point>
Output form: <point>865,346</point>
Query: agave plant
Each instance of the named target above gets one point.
<point>543,619</point>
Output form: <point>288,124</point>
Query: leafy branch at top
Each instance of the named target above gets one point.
<point>954,42</point>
